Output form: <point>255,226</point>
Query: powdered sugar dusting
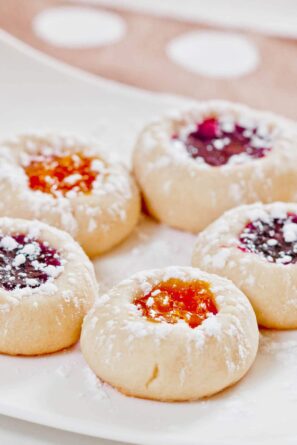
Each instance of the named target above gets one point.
<point>290,232</point>
<point>95,388</point>
<point>27,262</point>
<point>272,234</point>
<point>263,130</point>
<point>207,141</point>
<point>108,179</point>
<point>219,260</point>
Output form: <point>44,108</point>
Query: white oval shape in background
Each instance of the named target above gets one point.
<point>214,53</point>
<point>75,27</point>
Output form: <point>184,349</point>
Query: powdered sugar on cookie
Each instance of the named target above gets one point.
<point>67,181</point>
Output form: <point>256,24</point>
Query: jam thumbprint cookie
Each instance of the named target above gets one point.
<point>69,184</point>
<point>47,284</point>
<point>255,246</point>
<point>195,165</point>
<point>173,334</point>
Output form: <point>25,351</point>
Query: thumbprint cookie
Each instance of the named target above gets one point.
<point>255,246</point>
<point>47,284</point>
<point>173,334</point>
<point>194,165</point>
<point>70,184</point>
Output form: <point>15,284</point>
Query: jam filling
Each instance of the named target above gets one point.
<point>26,262</point>
<point>274,239</point>
<point>174,300</point>
<point>218,142</point>
<point>60,174</point>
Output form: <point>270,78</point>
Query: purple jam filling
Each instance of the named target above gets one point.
<point>217,144</point>
<point>26,262</point>
<point>274,240</point>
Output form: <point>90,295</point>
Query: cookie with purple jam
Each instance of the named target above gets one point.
<point>172,334</point>
<point>194,165</point>
<point>255,246</point>
<point>71,184</point>
<point>47,284</point>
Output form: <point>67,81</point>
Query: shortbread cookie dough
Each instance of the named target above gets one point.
<point>173,334</point>
<point>194,165</point>
<point>255,246</point>
<point>47,284</point>
<point>70,184</point>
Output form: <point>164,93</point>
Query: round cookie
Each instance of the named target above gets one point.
<point>255,246</point>
<point>47,284</point>
<point>173,334</point>
<point>194,165</point>
<point>68,183</point>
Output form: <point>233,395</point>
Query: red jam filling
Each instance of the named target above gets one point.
<point>218,143</point>
<point>174,300</point>
<point>274,239</point>
<point>60,174</point>
<point>26,262</point>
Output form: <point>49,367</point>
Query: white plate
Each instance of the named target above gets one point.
<point>59,390</point>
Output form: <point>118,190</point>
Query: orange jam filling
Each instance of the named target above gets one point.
<point>173,300</point>
<point>61,173</point>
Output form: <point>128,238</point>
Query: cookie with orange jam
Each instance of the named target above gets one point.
<point>47,284</point>
<point>71,184</point>
<point>194,165</point>
<point>172,334</point>
<point>255,246</point>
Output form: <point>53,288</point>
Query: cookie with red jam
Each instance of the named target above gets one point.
<point>47,284</point>
<point>71,184</point>
<point>173,334</point>
<point>255,246</point>
<point>194,165</point>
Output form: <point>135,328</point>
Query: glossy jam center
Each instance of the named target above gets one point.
<point>26,262</point>
<point>61,174</point>
<point>274,239</point>
<point>219,143</point>
<point>174,300</point>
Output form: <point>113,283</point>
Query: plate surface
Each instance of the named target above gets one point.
<point>59,390</point>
